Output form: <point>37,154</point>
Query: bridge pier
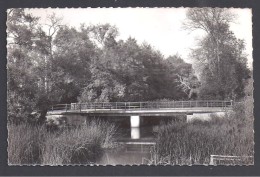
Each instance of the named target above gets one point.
<point>135,127</point>
<point>135,121</point>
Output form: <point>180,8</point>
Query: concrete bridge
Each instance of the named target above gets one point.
<point>134,110</point>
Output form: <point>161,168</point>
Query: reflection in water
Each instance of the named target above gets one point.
<point>133,148</point>
<point>135,143</point>
<point>128,153</point>
<point>124,158</point>
<point>135,133</point>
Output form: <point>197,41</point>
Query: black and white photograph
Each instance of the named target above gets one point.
<point>130,86</point>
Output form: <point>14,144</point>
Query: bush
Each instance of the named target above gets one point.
<point>80,145</point>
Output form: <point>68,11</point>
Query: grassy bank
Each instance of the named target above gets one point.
<point>193,142</point>
<point>28,144</point>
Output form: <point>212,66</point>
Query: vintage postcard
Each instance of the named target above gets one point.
<point>130,86</point>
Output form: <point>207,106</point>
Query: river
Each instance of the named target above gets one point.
<point>134,148</point>
<point>134,144</point>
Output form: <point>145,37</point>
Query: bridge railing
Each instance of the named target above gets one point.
<point>141,105</point>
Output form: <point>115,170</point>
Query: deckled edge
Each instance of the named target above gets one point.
<point>111,165</point>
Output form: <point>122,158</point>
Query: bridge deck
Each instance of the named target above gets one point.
<point>142,108</point>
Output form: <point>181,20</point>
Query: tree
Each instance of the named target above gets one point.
<point>73,55</point>
<point>213,21</point>
<point>45,43</point>
<point>44,64</point>
<point>153,70</point>
<point>220,55</point>
<point>131,70</point>
<point>30,65</point>
<point>103,84</point>
<point>21,80</point>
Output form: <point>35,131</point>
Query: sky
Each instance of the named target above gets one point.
<point>160,27</point>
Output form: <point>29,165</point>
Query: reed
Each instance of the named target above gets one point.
<point>30,144</point>
<point>181,143</point>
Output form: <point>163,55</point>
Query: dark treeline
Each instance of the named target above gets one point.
<point>55,63</point>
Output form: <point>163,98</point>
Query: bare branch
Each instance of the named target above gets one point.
<point>183,84</point>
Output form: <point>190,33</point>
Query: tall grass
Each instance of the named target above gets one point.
<point>193,142</point>
<point>25,143</point>
<point>29,144</point>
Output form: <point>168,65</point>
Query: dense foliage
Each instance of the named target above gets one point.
<point>55,63</point>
